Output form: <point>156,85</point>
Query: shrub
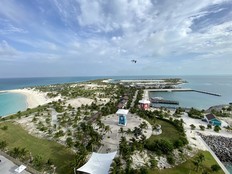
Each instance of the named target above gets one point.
<point>170,159</point>
<point>217,128</point>
<point>4,127</point>
<point>194,113</point>
<point>3,145</point>
<point>160,146</point>
<point>215,167</point>
<point>192,126</point>
<point>202,127</point>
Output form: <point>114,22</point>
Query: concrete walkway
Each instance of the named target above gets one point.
<point>134,98</point>
<point>8,167</point>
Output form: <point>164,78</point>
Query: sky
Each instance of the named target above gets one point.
<point>46,38</point>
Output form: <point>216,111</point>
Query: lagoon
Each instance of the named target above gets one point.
<point>11,103</point>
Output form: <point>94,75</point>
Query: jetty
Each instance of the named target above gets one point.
<point>205,92</point>
<point>183,90</point>
<point>163,101</point>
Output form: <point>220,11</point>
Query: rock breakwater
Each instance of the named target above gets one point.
<point>221,146</point>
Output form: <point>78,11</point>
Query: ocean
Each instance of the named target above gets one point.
<point>215,84</point>
<point>222,84</point>
<point>11,103</point>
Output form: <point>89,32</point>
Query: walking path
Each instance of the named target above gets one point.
<point>134,98</point>
<point>8,167</point>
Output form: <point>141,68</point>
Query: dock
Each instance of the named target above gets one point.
<point>162,101</point>
<point>183,90</point>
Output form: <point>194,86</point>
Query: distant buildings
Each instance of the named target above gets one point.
<point>211,119</point>
<point>123,102</point>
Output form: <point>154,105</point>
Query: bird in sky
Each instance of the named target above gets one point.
<point>134,61</point>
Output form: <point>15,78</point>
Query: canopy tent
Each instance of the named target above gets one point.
<point>98,163</point>
<point>144,101</point>
<point>122,112</point>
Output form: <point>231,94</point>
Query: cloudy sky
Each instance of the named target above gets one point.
<point>100,37</point>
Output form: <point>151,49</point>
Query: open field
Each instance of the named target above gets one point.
<point>169,132</point>
<point>188,167</point>
<point>15,136</point>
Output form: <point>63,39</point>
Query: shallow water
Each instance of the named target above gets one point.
<point>11,103</point>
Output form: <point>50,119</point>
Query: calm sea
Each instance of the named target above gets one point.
<point>215,84</point>
<point>11,103</point>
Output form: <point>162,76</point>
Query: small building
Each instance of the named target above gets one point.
<point>122,116</point>
<point>211,119</point>
<point>144,104</point>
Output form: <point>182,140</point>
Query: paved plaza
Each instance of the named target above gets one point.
<point>8,167</point>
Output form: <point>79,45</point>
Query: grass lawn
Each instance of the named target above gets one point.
<point>16,136</point>
<point>188,167</point>
<point>169,132</point>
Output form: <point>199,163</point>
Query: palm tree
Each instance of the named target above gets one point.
<point>198,161</point>
<point>107,129</point>
<point>121,131</point>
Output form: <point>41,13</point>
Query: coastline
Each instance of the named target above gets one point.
<point>33,98</point>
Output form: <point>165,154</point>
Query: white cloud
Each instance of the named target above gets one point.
<point>113,32</point>
<point>6,51</point>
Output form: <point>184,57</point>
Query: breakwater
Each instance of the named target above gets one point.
<point>183,90</point>
<point>209,93</point>
<point>221,146</point>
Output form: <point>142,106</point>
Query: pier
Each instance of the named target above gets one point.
<point>183,90</point>
<point>162,101</point>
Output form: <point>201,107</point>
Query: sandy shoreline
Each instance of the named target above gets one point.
<point>34,98</point>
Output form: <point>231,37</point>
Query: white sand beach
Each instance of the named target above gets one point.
<point>79,101</point>
<point>34,98</point>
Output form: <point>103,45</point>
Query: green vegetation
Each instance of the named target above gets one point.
<point>18,140</point>
<point>189,167</point>
<point>215,167</point>
<point>178,112</point>
<point>192,126</point>
<point>217,128</point>
<point>222,113</point>
<point>75,130</point>
<point>194,113</point>
<point>169,132</point>
<point>19,114</point>
<point>202,127</point>
<point>170,138</point>
<point>173,80</point>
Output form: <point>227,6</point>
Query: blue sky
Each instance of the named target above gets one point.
<point>100,37</point>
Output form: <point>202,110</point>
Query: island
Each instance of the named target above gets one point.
<point>67,126</point>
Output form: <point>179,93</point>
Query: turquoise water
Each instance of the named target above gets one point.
<point>216,84</point>
<point>11,103</point>
<point>229,167</point>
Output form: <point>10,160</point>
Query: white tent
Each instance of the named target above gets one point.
<point>144,101</point>
<point>122,112</point>
<point>98,163</point>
